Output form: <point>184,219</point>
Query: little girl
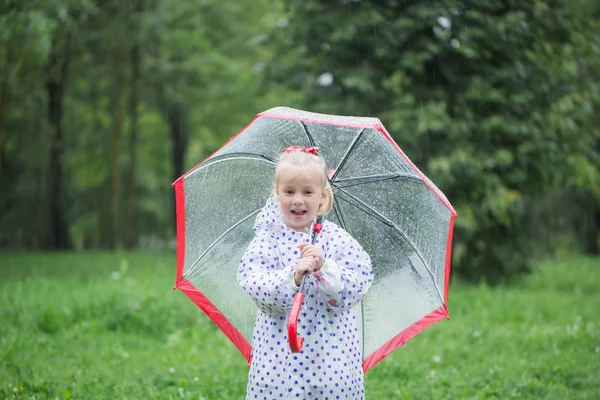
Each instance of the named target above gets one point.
<point>338,275</point>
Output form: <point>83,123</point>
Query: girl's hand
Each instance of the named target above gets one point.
<point>310,250</point>
<point>306,265</point>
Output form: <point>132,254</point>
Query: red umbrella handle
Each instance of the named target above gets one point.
<point>295,340</point>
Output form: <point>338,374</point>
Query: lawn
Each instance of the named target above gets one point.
<point>109,326</point>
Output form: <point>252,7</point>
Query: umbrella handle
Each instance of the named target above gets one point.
<point>295,340</point>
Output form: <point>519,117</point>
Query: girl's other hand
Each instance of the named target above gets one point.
<point>310,250</point>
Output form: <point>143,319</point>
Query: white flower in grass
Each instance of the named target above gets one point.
<point>436,359</point>
<point>171,370</point>
<point>174,338</point>
<point>476,333</point>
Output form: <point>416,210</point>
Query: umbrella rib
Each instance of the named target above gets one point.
<point>345,158</point>
<point>374,213</point>
<point>363,180</point>
<point>239,153</point>
<point>339,215</point>
<point>308,135</point>
<point>213,244</point>
<point>221,159</point>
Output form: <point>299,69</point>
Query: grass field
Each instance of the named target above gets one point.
<point>109,326</point>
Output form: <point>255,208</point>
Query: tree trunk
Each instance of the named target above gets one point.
<point>3,102</point>
<point>131,232</point>
<point>114,186</point>
<point>179,143</point>
<point>52,230</point>
<point>591,224</point>
<point>99,239</point>
<point>175,116</point>
<point>179,138</point>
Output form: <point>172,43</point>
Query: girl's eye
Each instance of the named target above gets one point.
<point>289,192</point>
<point>308,192</point>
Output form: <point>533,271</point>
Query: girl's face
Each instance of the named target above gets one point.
<point>301,193</point>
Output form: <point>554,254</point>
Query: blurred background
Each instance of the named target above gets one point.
<point>103,104</point>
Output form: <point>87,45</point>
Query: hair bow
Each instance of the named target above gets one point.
<point>311,150</point>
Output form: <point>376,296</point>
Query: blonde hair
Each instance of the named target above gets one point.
<point>300,159</point>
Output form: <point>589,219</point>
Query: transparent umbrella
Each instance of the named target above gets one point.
<point>398,215</point>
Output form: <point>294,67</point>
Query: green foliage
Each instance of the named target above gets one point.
<point>197,69</point>
<point>109,326</point>
<point>496,101</point>
<point>490,99</point>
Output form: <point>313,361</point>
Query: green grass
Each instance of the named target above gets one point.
<point>109,326</point>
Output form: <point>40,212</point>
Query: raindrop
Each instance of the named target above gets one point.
<point>444,22</point>
<point>325,79</point>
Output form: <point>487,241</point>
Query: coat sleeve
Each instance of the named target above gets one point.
<point>260,274</point>
<point>356,272</point>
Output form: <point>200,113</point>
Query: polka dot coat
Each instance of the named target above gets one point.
<point>330,363</point>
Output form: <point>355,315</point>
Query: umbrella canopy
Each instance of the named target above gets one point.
<point>395,212</point>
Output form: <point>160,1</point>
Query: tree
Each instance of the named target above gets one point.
<point>53,227</point>
<point>481,95</point>
<point>586,185</point>
<point>53,230</point>
<point>149,89</point>
<point>135,62</point>
<point>203,71</point>
<point>24,45</point>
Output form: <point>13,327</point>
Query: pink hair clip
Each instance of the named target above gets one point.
<point>311,150</point>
